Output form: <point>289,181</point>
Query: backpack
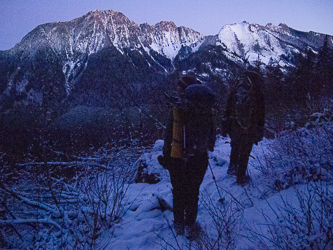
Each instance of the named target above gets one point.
<point>199,131</point>
<point>245,111</point>
<point>244,105</point>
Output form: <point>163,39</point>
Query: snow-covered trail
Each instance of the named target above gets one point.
<point>145,226</point>
<point>248,210</point>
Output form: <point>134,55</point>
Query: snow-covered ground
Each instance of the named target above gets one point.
<point>288,203</point>
<point>232,217</point>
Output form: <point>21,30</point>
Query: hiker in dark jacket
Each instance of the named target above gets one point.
<point>187,167</point>
<point>244,121</point>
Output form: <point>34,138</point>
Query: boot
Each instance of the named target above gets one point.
<point>192,232</point>
<point>243,180</point>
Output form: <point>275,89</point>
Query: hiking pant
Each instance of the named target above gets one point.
<point>186,180</point>
<point>241,148</point>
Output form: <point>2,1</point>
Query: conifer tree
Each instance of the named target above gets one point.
<point>302,78</point>
<point>275,101</point>
<point>324,68</point>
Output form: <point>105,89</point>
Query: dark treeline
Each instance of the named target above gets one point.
<point>293,95</point>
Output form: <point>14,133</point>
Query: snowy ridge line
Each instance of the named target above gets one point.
<point>120,32</point>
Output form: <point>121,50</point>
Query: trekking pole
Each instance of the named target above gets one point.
<point>217,187</point>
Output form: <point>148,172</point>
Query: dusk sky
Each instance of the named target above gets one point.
<point>19,17</point>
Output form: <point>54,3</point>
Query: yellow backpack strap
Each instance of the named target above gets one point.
<point>177,133</point>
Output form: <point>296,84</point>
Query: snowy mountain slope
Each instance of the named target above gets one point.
<point>68,54</point>
<point>253,40</point>
<point>99,29</point>
<point>74,41</point>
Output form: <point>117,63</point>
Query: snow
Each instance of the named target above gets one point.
<point>245,39</point>
<point>169,41</point>
<point>253,209</point>
<point>25,221</point>
<point>286,205</point>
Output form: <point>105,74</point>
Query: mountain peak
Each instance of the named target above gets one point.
<point>106,14</point>
<point>165,25</point>
<point>283,25</point>
<point>159,48</point>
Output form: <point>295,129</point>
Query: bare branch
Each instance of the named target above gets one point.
<point>29,202</point>
<point>26,221</point>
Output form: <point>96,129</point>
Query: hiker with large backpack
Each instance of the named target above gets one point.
<point>189,134</point>
<point>244,121</point>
